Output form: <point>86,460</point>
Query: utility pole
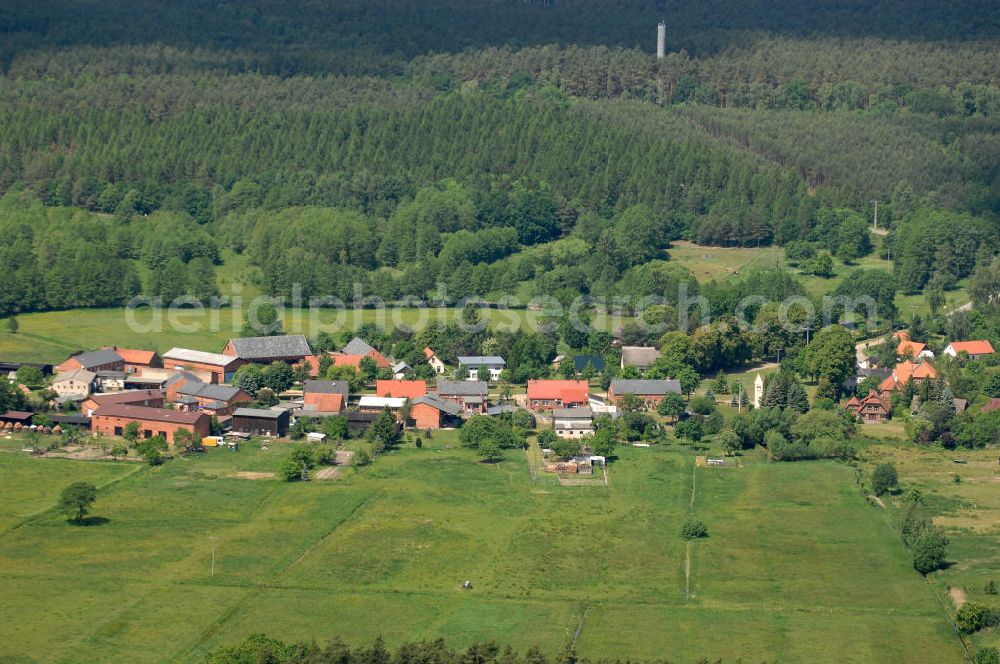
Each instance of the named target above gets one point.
<point>214,540</point>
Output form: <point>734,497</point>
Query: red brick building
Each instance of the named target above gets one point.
<point>111,420</point>
<point>324,396</point>
<point>221,367</point>
<point>147,398</point>
<point>650,392</point>
<point>549,394</point>
<point>95,360</point>
<point>433,412</point>
<point>137,360</point>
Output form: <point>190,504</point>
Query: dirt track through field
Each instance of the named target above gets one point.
<point>687,549</point>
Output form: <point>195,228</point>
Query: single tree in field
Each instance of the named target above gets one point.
<point>76,500</point>
<point>12,325</point>
<point>883,478</point>
<point>119,451</point>
<point>730,442</point>
<point>488,450</point>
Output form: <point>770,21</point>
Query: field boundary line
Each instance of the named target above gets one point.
<point>255,590</point>
<point>688,549</point>
<point>579,625</point>
<point>138,468</point>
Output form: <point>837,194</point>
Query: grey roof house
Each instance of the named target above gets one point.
<point>287,348</point>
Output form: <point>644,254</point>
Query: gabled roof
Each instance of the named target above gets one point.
<point>428,353</point>
<point>572,413</point>
<point>326,387</point>
<point>133,356</point>
<point>641,387</point>
<point>96,358</point>
<point>258,412</point>
<point>462,388</point>
<point>271,348</point>
<point>198,357</point>
<point>81,375</point>
<point>357,346</point>
<point>434,401</point>
<point>640,356</point>
<point>925,370</point>
<point>976,347</point>
<point>126,411</point>
<point>909,348</point>
<point>126,397</point>
<point>400,388</point>
<point>400,367</point>
<point>209,391</point>
<point>567,391</point>
<point>480,360</point>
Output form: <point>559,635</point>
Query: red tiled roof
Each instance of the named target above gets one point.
<point>925,370</point>
<point>568,391</point>
<point>977,347</point>
<point>408,389</point>
<point>909,348</point>
<point>132,356</point>
<point>991,405</point>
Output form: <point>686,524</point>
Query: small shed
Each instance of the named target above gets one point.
<point>17,417</point>
<point>260,422</point>
<point>315,437</point>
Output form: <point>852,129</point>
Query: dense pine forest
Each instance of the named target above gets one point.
<point>450,149</point>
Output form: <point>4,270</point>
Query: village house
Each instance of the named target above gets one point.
<point>400,369</point>
<point>974,349</point>
<point>573,422</point>
<point>471,395</point>
<point>76,382</point>
<point>908,348</point>
<point>873,408</point>
<point>260,422</point>
<point>903,373</point>
<point>434,361</point>
<point>146,398</point>
<point>494,364</point>
<point>220,367</point>
<point>640,357</point>
<point>650,392</point>
<point>324,396</point>
<point>548,394</point>
<point>112,419</point>
<point>289,348</point>
<point>430,411</point>
<point>95,360</point>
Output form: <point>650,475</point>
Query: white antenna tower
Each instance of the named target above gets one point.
<point>661,40</point>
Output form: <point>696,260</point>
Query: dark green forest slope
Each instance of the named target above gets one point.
<point>484,144</point>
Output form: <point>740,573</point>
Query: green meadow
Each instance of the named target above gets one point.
<point>797,566</point>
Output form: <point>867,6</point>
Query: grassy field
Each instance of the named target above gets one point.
<point>52,336</point>
<point>969,511</point>
<point>797,566</point>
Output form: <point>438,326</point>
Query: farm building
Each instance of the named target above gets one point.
<point>355,351</point>
<point>111,420</point>
<point>573,422</point>
<point>21,417</point>
<point>410,389</point>
<point>471,395</point>
<point>220,399</point>
<point>138,360</point>
<point>220,367</point>
<point>651,392</point>
<point>581,362</point>
<point>430,411</point>
<point>76,382</point>
<point>95,360</point>
<point>373,404</point>
<point>110,381</point>
<point>640,357</point>
<point>147,398</point>
<point>324,396</point>
<point>400,369</point>
<point>288,348</point>
<point>260,422</point>
<point>548,394</point>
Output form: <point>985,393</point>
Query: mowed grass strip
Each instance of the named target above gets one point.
<point>796,567</point>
